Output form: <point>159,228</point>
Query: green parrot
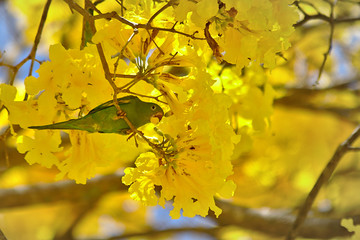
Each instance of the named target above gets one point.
<point>104,118</point>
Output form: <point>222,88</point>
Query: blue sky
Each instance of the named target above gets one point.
<point>11,44</point>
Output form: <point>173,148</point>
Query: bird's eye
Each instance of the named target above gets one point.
<point>153,107</point>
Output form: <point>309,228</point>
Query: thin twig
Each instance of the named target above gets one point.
<point>123,20</point>
<point>116,90</point>
<point>84,27</point>
<point>355,149</point>
<point>320,16</point>
<point>118,75</point>
<point>93,6</point>
<point>331,36</point>
<point>172,30</point>
<point>3,137</point>
<point>346,20</point>
<point>169,4</point>
<point>121,53</point>
<point>2,236</point>
<point>129,84</point>
<point>152,39</point>
<point>116,16</point>
<point>32,53</point>
<point>308,17</point>
<point>38,35</point>
<point>145,96</point>
<point>144,26</point>
<point>323,178</point>
<point>121,3</point>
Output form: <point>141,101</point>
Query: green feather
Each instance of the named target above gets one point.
<point>104,118</point>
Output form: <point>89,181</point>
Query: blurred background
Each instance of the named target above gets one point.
<point>274,170</point>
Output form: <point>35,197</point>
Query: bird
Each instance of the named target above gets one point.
<point>105,118</point>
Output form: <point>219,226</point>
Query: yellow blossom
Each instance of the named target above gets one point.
<point>89,153</point>
<point>191,148</point>
<point>202,142</point>
<point>40,149</point>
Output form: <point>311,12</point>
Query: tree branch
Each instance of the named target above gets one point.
<point>2,236</point>
<point>304,98</point>
<point>277,222</point>
<point>269,221</point>
<point>63,190</point>
<point>323,178</point>
<point>210,231</point>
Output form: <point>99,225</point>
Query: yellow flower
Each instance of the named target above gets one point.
<point>26,113</point>
<point>197,163</point>
<point>254,31</point>
<point>70,77</point>
<point>41,149</point>
<point>91,151</point>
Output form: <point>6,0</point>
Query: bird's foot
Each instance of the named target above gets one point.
<point>132,134</point>
<point>120,115</point>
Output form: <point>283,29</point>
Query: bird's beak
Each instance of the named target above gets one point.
<point>156,118</point>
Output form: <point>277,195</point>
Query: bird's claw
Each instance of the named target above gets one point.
<point>120,115</point>
<point>132,134</point>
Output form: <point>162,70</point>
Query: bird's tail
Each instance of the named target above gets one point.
<point>61,125</point>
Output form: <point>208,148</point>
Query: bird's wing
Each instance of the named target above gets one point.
<point>121,101</point>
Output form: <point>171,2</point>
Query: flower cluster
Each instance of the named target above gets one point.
<point>203,141</point>
<point>189,159</point>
